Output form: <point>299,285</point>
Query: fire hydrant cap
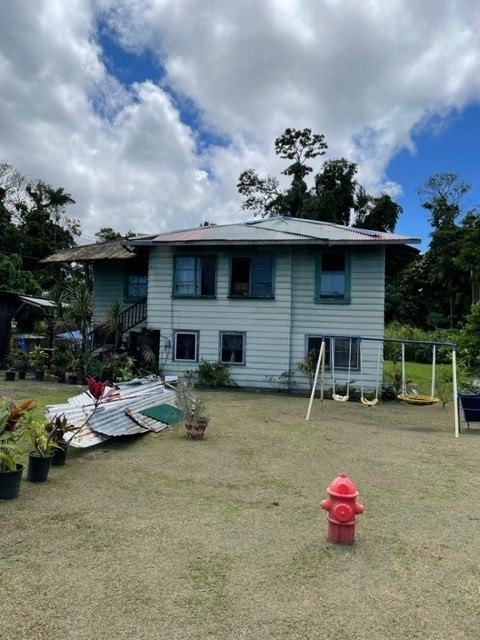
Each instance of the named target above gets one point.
<point>343,487</point>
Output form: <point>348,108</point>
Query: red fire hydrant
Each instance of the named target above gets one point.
<point>342,507</point>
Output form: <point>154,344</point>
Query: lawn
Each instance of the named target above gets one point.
<point>162,537</point>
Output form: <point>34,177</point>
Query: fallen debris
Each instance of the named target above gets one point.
<point>120,414</point>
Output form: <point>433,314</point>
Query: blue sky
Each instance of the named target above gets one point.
<point>454,148</point>
<point>147,111</point>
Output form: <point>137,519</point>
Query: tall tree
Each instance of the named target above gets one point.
<point>33,223</point>
<point>263,195</point>
<point>336,195</point>
<point>335,188</point>
<point>441,194</point>
<point>380,214</point>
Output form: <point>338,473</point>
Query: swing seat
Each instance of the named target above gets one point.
<point>417,398</point>
<point>369,403</point>
<point>339,398</point>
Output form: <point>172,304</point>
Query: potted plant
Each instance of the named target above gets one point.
<point>22,364</point>
<point>188,400</point>
<point>12,446</point>
<point>58,428</point>
<point>60,362</point>
<point>42,447</point>
<point>71,374</point>
<point>10,367</point>
<point>37,359</point>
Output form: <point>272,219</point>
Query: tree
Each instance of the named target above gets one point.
<point>468,258</point>
<point>106,234</point>
<point>335,197</point>
<point>33,224</point>
<point>263,195</point>
<point>14,278</point>
<point>469,338</point>
<point>74,306</point>
<point>441,194</point>
<point>380,214</point>
<point>335,187</point>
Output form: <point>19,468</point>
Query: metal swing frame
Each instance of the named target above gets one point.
<point>363,400</point>
<point>417,398</point>
<point>451,345</point>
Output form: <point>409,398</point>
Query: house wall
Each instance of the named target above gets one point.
<point>108,287</point>
<point>275,329</point>
<point>363,316</point>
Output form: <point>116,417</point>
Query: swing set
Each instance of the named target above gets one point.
<point>410,397</point>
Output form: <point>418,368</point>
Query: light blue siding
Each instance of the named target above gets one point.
<point>275,329</point>
<point>108,287</point>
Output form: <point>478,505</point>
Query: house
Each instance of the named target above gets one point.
<point>257,295</point>
<point>11,306</point>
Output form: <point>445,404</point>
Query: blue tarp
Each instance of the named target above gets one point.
<point>74,336</point>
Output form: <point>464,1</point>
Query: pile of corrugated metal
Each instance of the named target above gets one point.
<point>124,411</point>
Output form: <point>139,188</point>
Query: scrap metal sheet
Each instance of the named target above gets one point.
<point>113,417</point>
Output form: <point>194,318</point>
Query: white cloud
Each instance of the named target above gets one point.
<point>367,75</point>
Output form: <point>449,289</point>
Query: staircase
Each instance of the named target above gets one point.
<point>129,318</point>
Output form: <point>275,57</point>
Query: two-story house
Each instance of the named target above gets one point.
<point>257,295</point>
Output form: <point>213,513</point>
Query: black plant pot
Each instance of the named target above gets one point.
<point>10,376</point>
<point>59,456</point>
<point>40,374</point>
<point>72,379</point>
<point>21,375</point>
<point>38,467</point>
<point>10,483</point>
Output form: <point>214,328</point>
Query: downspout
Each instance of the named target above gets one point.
<point>290,338</point>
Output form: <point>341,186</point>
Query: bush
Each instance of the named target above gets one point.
<point>469,339</point>
<point>418,352</point>
<point>214,374</point>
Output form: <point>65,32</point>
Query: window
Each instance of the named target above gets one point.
<point>333,277</point>
<point>342,351</point>
<point>186,346</point>
<point>252,277</point>
<point>137,286</point>
<point>314,344</point>
<point>194,276</point>
<point>232,348</point>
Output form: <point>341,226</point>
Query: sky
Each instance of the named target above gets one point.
<point>147,111</point>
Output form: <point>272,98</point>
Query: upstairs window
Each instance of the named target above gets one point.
<point>333,277</point>
<point>252,277</point>
<point>194,276</point>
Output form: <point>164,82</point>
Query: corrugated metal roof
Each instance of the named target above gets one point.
<point>113,250</point>
<point>276,230</point>
<point>117,416</point>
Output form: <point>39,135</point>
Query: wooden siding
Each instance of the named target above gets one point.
<point>363,316</point>
<point>108,287</point>
<point>275,329</point>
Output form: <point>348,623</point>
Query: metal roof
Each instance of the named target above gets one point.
<point>117,416</point>
<point>275,230</point>
<point>112,250</point>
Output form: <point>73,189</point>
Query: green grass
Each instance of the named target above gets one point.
<point>164,537</point>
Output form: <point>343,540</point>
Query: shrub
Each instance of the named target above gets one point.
<point>214,374</point>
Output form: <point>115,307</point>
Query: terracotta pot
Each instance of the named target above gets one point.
<point>195,427</point>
